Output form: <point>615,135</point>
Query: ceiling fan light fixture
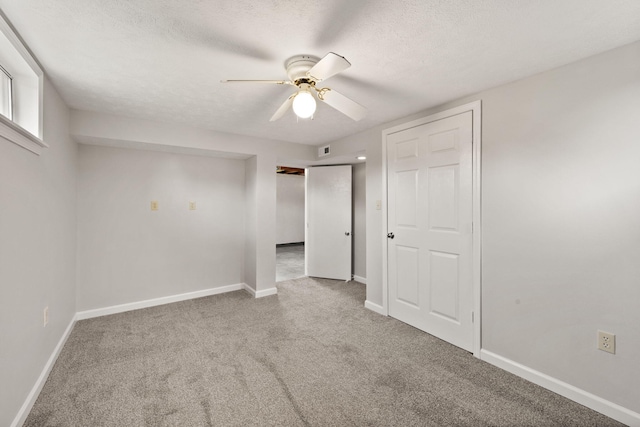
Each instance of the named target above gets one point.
<point>304,72</point>
<point>304,104</point>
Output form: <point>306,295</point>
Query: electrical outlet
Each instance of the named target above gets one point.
<point>607,342</point>
<point>154,205</point>
<point>192,206</point>
<point>45,316</point>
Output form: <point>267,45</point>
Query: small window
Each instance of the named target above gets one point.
<point>21,92</point>
<point>6,93</point>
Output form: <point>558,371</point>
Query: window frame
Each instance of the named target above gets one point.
<point>9,91</point>
<point>25,128</point>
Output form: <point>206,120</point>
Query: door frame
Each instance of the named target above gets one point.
<point>476,109</point>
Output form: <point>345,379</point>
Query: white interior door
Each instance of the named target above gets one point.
<point>328,218</point>
<point>429,221</point>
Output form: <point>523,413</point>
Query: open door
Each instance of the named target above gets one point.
<point>328,222</point>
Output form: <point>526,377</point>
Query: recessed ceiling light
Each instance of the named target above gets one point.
<point>361,157</point>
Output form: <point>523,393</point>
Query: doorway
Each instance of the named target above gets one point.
<point>290,229</point>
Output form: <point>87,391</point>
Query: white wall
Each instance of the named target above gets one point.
<point>260,211</point>
<point>108,129</point>
<point>560,230</point>
<point>289,208</point>
<point>561,187</point>
<point>37,253</point>
<point>261,156</point>
<point>251,222</point>
<point>265,199</point>
<point>128,253</point>
<point>359,220</point>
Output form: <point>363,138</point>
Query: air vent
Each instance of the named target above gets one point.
<point>324,151</point>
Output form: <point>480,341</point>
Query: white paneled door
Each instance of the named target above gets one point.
<point>328,218</point>
<point>429,225</point>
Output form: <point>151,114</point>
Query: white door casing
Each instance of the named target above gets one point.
<point>328,222</point>
<point>432,262</point>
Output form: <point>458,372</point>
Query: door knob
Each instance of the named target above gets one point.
<point>346,233</point>
<point>390,235</point>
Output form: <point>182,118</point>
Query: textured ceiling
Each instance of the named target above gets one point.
<point>164,59</point>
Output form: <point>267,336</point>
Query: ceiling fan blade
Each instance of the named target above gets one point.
<point>328,66</point>
<point>276,82</point>
<point>343,104</point>
<point>283,108</point>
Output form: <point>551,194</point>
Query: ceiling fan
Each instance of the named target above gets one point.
<point>305,72</point>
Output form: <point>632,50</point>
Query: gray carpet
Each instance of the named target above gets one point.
<point>312,355</point>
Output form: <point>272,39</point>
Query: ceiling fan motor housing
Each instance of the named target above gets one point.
<point>297,66</point>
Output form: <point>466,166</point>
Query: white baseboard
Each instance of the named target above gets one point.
<point>360,279</point>
<point>23,413</point>
<point>375,307</point>
<point>88,314</point>
<point>585,398</point>
<point>262,293</point>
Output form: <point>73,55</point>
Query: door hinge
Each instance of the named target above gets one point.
<point>473,317</point>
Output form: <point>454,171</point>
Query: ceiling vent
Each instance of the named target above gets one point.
<point>324,151</point>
